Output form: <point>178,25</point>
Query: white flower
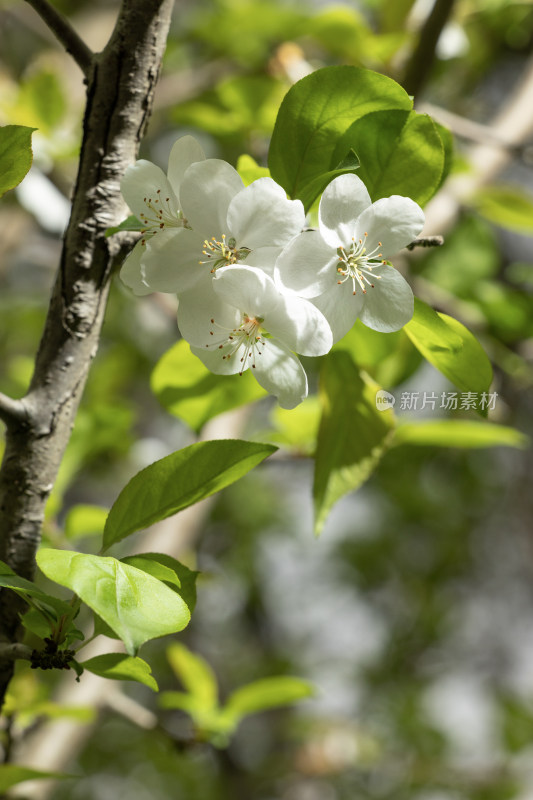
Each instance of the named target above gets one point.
<point>153,198</point>
<point>246,322</point>
<point>226,224</point>
<point>343,267</point>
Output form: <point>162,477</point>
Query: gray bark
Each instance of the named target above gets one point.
<point>120,88</point>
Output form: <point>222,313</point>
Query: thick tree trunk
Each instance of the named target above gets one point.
<point>120,85</point>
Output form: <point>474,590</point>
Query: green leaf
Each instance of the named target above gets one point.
<point>352,436</point>
<point>186,577</point>
<point>267,693</point>
<point>296,429</point>
<point>119,667</point>
<point>85,520</point>
<point>400,152</point>
<point>437,336</point>
<point>154,568</point>
<point>507,206</point>
<point>42,101</point>
<point>188,390</point>
<point>458,433</point>
<point>135,605</point>
<point>10,580</point>
<point>178,481</point>
<point>428,330</point>
<point>11,774</point>
<point>316,113</point>
<point>15,155</point>
<point>196,676</point>
<point>131,223</point>
<point>249,169</point>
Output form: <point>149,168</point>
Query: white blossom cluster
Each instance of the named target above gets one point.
<point>255,289</point>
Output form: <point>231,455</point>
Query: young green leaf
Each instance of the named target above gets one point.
<point>507,206</point>
<point>189,391</point>
<point>451,348</point>
<point>15,155</point>
<point>267,693</point>
<point>120,667</point>
<point>186,578</point>
<point>250,170</point>
<point>131,223</point>
<point>178,481</point>
<point>458,433</point>
<point>316,113</point>
<point>135,605</point>
<point>352,436</point>
<point>196,676</point>
<point>10,580</point>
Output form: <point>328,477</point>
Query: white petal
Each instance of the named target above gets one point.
<point>196,311</point>
<point>261,215</point>
<point>300,325</point>
<point>220,366</point>
<point>132,273</point>
<point>389,305</point>
<point>279,372</point>
<point>340,307</point>
<point>185,151</point>
<point>342,201</point>
<point>206,191</point>
<point>248,288</point>
<point>171,261</point>
<point>394,221</point>
<point>144,182</point>
<point>307,266</point>
<point>264,258</point>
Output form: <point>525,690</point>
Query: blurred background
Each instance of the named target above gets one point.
<point>413,613</point>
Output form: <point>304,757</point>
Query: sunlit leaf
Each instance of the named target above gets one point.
<point>178,481</point>
<point>352,436</point>
<point>508,206</point>
<point>188,390</point>
<point>400,152</point>
<point>120,667</point>
<point>15,155</point>
<point>316,113</point>
<point>135,605</point>
<point>85,520</point>
<point>451,348</point>
<point>267,693</point>
<point>458,433</point>
<point>196,676</point>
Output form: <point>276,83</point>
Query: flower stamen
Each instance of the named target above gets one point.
<point>224,252</point>
<point>356,264</point>
<point>246,338</point>
<point>160,213</point>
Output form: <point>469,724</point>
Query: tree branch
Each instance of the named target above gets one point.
<point>426,241</point>
<point>120,89</point>
<point>65,34</point>
<point>419,66</point>
<point>12,412</point>
<point>15,651</point>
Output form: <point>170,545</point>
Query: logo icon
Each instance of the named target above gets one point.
<point>384,400</point>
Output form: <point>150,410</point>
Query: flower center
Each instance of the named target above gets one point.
<point>161,213</point>
<point>246,339</point>
<point>356,264</point>
<point>223,252</point>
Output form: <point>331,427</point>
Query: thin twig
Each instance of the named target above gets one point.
<point>15,651</point>
<point>12,412</point>
<point>426,241</point>
<point>65,34</point>
<point>419,66</point>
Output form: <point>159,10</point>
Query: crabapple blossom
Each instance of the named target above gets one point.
<point>343,265</point>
